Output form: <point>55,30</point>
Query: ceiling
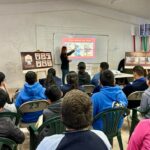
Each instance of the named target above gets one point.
<point>20,1</point>
<point>138,8</point>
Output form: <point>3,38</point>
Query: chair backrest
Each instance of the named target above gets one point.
<point>137,95</point>
<point>33,106</point>
<point>15,117</point>
<point>10,144</point>
<point>88,88</point>
<point>110,119</point>
<point>53,126</point>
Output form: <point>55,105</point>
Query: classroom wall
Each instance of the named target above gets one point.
<point>20,24</point>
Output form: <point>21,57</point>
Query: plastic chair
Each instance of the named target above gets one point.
<point>110,119</point>
<point>7,144</point>
<point>134,120</point>
<point>51,126</point>
<point>88,89</point>
<point>32,106</point>
<point>15,117</point>
<point>135,97</point>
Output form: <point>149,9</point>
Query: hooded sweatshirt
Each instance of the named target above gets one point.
<point>145,104</point>
<point>29,93</point>
<point>105,99</point>
<point>53,110</point>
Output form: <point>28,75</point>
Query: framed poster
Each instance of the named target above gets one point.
<point>137,58</point>
<point>36,60</point>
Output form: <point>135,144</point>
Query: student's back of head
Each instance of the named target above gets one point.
<point>49,80</point>
<point>76,110</point>
<point>81,66</point>
<point>53,93</point>
<point>72,79</point>
<point>104,66</point>
<point>52,71</point>
<point>31,77</point>
<point>138,71</point>
<point>3,98</point>
<point>107,78</point>
<point>2,77</point>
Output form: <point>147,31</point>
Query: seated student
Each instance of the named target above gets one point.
<point>7,128</point>
<point>96,77</point>
<point>72,82</point>
<point>145,101</point>
<point>77,117</point>
<point>54,94</point>
<point>51,76</point>
<point>32,90</point>
<point>140,138</point>
<point>84,77</point>
<point>9,106</point>
<point>108,95</point>
<point>139,84</point>
<point>54,109</point>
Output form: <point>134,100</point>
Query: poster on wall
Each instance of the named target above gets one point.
<point>137,58</point>
<point>36,60</point>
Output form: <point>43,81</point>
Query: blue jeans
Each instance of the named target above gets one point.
<point>64,73</point>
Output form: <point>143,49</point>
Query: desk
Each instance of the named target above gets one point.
<point>123,75</point>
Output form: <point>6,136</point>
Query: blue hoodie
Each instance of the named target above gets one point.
<point>29,93</point>
<point>104,100</point>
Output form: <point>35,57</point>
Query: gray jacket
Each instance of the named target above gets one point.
<point>53,110</point>
<point>145,103</point>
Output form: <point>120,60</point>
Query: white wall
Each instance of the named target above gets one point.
<point>21,24</point>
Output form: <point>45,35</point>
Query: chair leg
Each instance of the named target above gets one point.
<point>120,141</point>
<point>134,121</point>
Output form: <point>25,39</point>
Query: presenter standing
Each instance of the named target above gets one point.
<point>65,62</point>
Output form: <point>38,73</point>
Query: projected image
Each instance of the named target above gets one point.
<point>84,47</point>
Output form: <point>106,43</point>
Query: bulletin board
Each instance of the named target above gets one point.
<point>36,60</point>
<point>137,58</point>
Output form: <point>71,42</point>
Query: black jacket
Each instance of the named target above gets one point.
<point>64,60</point>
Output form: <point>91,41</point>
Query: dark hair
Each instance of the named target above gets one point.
<point>81,66</point>
<point>53,93</point>
<point>49,80</point>
<point>52,71</point>
<point>3,98</point>
<point>2,77</point>
<point>72,79</point>
<point>107,78</point>
<point>31,77</point>
<point>76,110</point>
<point>104,66</point>
<point>63,50</point>
<point>139,70</point>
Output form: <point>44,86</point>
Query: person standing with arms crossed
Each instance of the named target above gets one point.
<point>65,62</point>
